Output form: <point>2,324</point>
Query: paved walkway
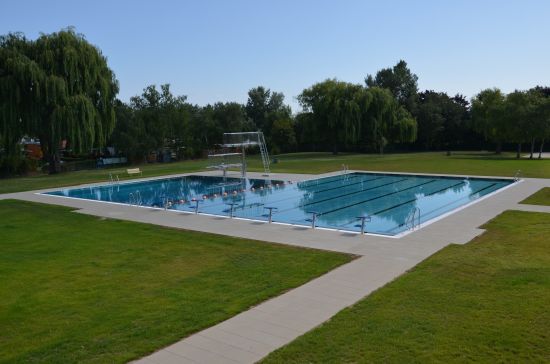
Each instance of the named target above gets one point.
<point>251,335</point>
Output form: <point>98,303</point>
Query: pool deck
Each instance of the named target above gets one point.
<point>253,334</point>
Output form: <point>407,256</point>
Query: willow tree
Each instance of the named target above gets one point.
<point>17,72</point>
<point>336,108</point>
<point>388,122</point>
<point>56,88</point>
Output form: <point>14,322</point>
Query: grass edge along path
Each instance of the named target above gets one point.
<point>485,301</point>
<point>541,197</point>
<point>78,288</point>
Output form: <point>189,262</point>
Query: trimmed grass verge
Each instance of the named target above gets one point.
<point>541,197</point>
<point>76,288</point>
<point>486,301</point>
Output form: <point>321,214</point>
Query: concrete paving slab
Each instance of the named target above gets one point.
<point>222,349</point>
<point>186,350</point>
<point>166,357</point>
<point>252,346</point>
<point>533,208</point>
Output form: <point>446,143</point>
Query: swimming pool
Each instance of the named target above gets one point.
<point>390,203</point>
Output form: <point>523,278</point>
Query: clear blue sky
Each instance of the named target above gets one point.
<point>217,50</point>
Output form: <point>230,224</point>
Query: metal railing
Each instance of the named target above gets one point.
<point>264,153</point>
<point>113,180</point>
<point>413,220</point>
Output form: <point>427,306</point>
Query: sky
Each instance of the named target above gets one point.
<point>214,50</point>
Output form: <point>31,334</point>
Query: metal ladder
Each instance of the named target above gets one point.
<point>345,171</point>
<point>413,220</point>
<point>263,152</point>
<point>113,180</point>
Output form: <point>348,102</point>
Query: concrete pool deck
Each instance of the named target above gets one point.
<point>253,334</point>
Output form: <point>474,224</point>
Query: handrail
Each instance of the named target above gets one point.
<point>413,220</point>
<point>112,179</point>
<point>314,215</point>
<point>517,176</point>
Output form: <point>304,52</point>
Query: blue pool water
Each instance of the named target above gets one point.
<point>390,200</point>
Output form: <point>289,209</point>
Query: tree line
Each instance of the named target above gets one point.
<point>157,120</point>
<point>59,88</point>
<point>387,111</point>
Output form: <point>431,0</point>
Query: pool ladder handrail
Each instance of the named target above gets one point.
<point>517,175</point>
<point>112,179</point>
<point>314,215</point>
<point>413,220</point>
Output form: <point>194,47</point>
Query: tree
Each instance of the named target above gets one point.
<point>157,120</point>
<point>129,134</point>
<point>518,116</point>
<point>401,82</point>
<point>341,115</point>
<point>283,136</point>
<point>542,115</point>
<point>488,116</point>
<point>539,127</point>
<point>458,130</point>
<point>431,122</point>
<point>17,72</point>
<point>264,108</point>
<point>387,121</point>
<point>337,109</point>
<point>231,117</point>
<point>257,106</point>
<point>442,120</point>
<point>58,87</point>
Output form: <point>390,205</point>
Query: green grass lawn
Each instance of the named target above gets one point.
<point>486,301</point>
<point>434,162</point>
<point>542,197</point>
<point>76,288</point>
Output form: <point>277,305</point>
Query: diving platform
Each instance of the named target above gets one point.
<point>233,152</point>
